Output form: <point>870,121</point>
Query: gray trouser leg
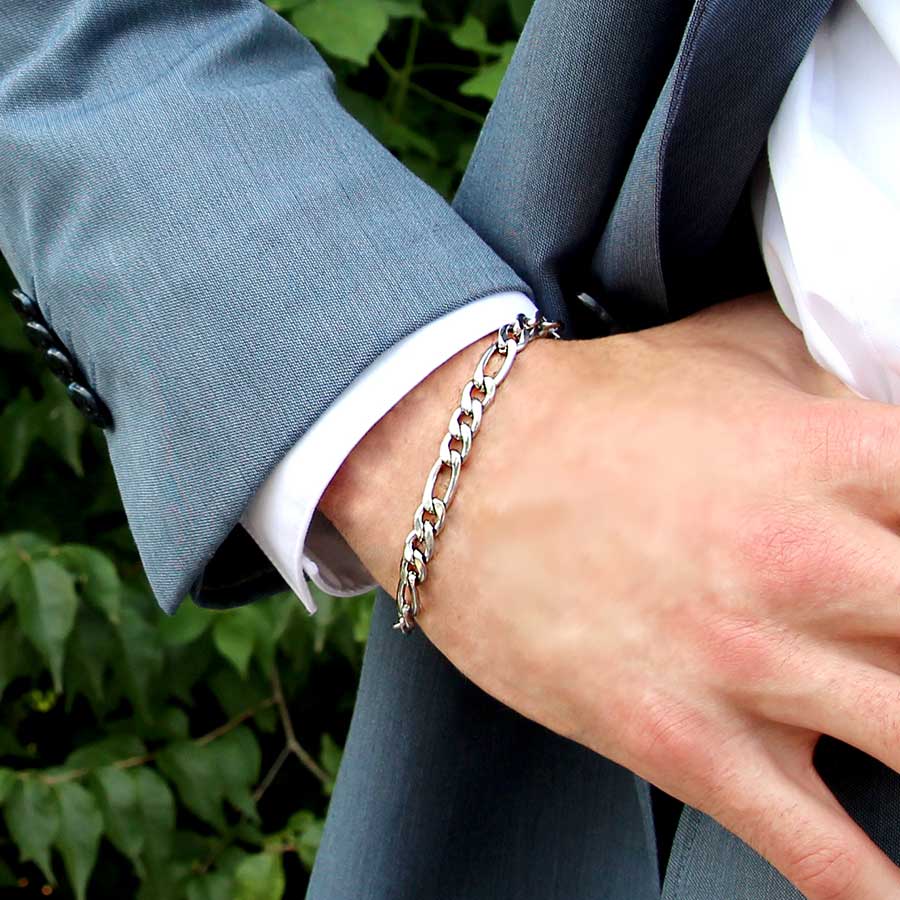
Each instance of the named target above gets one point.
<point>446,794</point>
<point>709,863</point>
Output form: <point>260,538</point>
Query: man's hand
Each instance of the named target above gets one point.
<point>675,547</point>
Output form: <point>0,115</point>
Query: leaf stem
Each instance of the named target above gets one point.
<point>142,760</point>
<point>445,67</point>
<point>234,721</point>
<point>274,769</point>
<point>381,59</point>
<point>405,74</point>
<point>449,105</point>
<point>293,745</point>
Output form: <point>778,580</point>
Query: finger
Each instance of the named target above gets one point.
<point>830,573</point>
<point>852,447</point>
<point>863,588</point>
<point>795,822</point>
<point>858,703</point>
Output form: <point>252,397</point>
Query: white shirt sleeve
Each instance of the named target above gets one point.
<point>828,206</point>
<point>283,518</point>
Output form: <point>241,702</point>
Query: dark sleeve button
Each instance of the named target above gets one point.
<point>607,322</point>
<point>88,404</point>
<point>25,306</point>
<point>60,364</point>
<point>39,335</point>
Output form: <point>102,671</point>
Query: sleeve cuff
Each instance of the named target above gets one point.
<point>283,518</point>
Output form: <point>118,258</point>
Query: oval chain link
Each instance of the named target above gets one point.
<point>465,421</point>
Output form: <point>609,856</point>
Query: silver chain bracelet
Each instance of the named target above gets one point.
<point>465,421</point>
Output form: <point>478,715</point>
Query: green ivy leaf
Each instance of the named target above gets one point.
<point>271,618</point>
<point>401,138</point>
<point>306,829</point>
<point>142,658</point>
<point>18,430</point>
<point>213,886</point>
<point>16,550</point>
<point>80,830</point>
<point>362,621</point>
<point>164,882</point>
<point>10,560</point>
<point>96,576</point>
<point>16,656</point>
<point>347,29</point>
<point>29,544</point>
<point>32,817</point>
<point>234,635</point>
<point>326,616</point>
<point>12,335</point>
<point>186,625</point>
<point>187,665</point>
<point>117,792</point>
<point>237,758</point>
<point>199,784</point>
<point>519,10</point>
<point>156,808</point>
<point>486,83</point>
<point>330,759</point>
<point>105,752</point>
<point>90,646</point>
<point>233,693</point>
<point>472,35</point>
<point>59,424</point>
<point>404,9</point>
<point>45,598</point>
<point>7,782</point>
<point>170,724</point>
<point>260,877</point>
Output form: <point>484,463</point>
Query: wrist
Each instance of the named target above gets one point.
<point>374,494</point>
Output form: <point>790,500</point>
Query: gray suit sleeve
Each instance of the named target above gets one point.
<point>219,246</point>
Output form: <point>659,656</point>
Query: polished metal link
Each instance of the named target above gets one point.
<point>476,397</point>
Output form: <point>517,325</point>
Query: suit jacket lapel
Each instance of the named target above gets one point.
<point>679,238</point>
<point>617,153</point>
<point>559,138</point>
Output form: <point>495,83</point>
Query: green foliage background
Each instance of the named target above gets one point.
<point>138,752</point>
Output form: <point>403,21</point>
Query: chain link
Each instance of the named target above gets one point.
<point>476,397</point>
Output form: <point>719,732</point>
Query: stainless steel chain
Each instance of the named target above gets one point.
<point>465,421</point>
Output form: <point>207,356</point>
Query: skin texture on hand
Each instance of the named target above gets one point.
<point>678,548</point>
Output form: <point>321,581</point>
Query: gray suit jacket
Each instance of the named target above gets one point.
<point>215,249</point>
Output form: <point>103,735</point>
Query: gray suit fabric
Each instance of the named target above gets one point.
<point>446,794</point>
<point>218,244</point>
<point>223,249</point>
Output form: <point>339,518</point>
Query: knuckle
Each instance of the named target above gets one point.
<point>742,651</point>
<point>848,440</point>
<point>669,736</point>
<point>789,551</point>
<point>827,872</point>
<point>829,436</point>
<point>878,448</point>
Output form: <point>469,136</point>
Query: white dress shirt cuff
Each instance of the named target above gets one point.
<point>283,517</point>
